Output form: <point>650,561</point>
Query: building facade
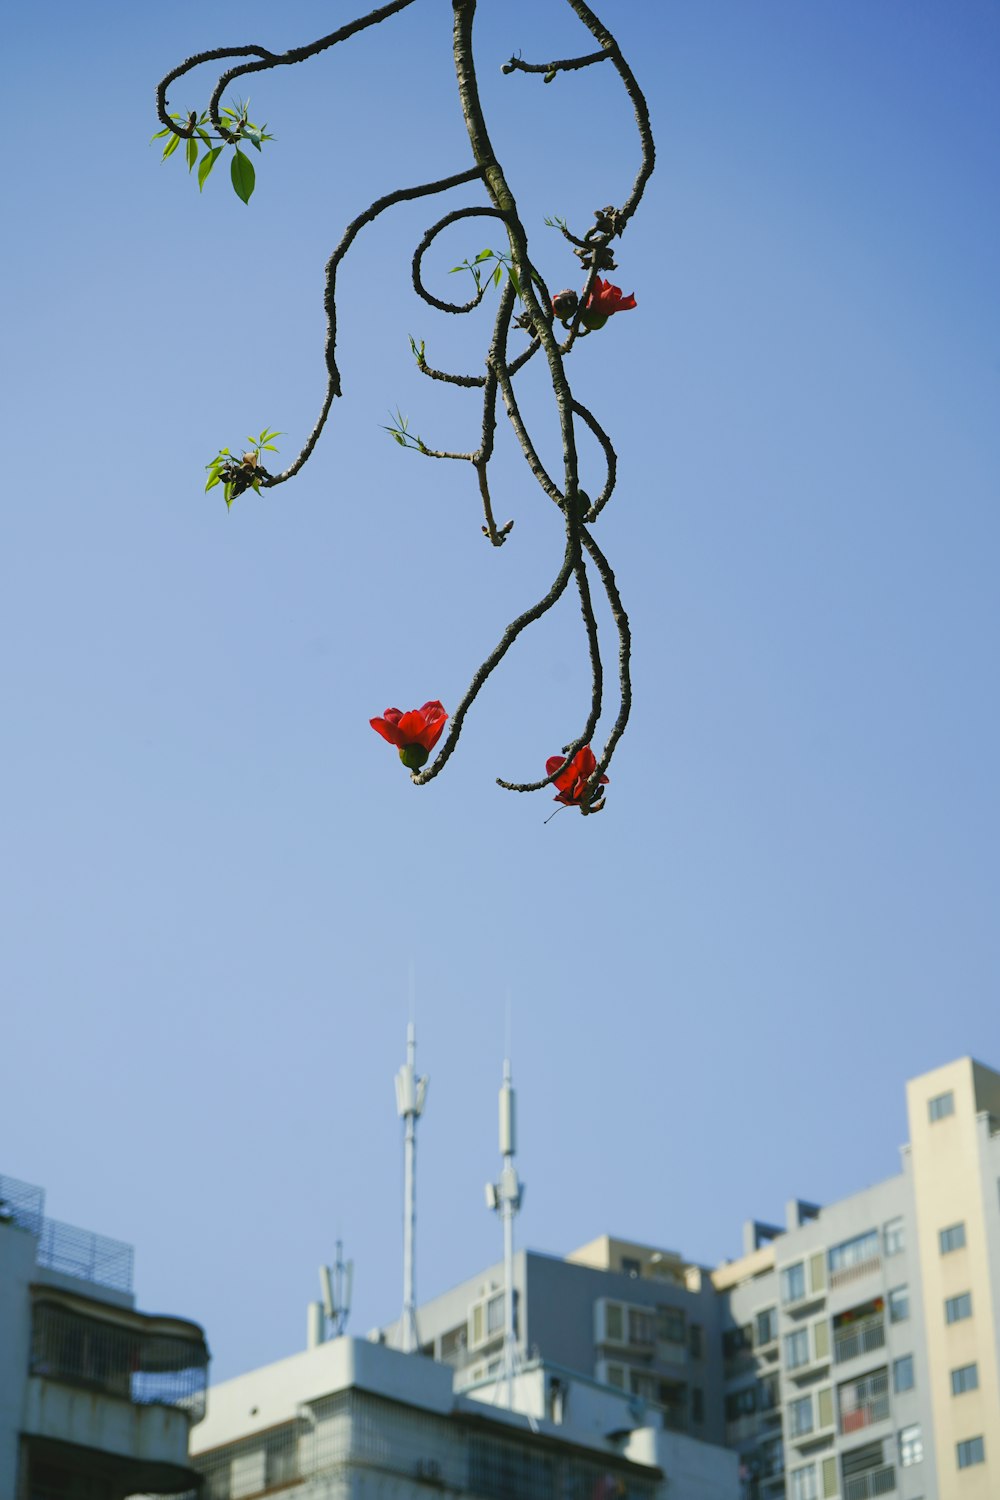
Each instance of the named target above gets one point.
<point>851,1352</point>
<point>97,1400</point>
<point>354,1420</point>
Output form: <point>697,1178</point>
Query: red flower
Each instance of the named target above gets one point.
<point>414,733</point>
<point>604,300</point>
<point>574,777</point>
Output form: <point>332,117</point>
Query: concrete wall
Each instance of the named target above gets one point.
<point>17,1264</point>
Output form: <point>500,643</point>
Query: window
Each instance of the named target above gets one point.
<point>494,1314</point>
<point>640,1327</point>
<point>965,1378</point>
<point>902,1374</point>
<point>972,1451</point>
<point>893,1237</point>
<point>952,1238</point>
<point>797,1348</point>
<point>911,1446</point>
<point>899,1304</point>
<point>631,1267</point>
<point>769,1390</point>
<point>736,1340</point>
<point>804,1483</point>
<point>793,1282</point>
<point>614,1323</point>
<point>800,1416</point>
<point>854,1252</point>
<point>958,1308</point>
<point>694,1338</point>
<point>697,1404</point>
<point>615,1375</point>
<point>670,1324</point>
<point>741,1404</point>
<point>941,1106</point>
<point>767,1326</point>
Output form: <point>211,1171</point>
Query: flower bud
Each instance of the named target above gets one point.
<point>593,320</point>
<point>564,303</point>
<point>413,757</point>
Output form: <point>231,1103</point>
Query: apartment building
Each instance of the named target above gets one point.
<point>849,1353</point>
<point>350,1419</point>
<point>97,1400</point>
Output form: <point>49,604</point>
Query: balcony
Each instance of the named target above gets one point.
<point>863,1336</point>
<point>146,1361</point>
<point>63,1247</point>
<point>864,1402</point>
<point>856,1272</point>
<point>871,1484</point>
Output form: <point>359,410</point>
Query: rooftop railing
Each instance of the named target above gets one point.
<point>63,1247</point>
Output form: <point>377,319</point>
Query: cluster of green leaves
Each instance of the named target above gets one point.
<point>481,265</point>
<point>399,427</point>
<point>239,124</point>
<point>239,474</point>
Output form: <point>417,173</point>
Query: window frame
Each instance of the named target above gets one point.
<point>958,1309</point>
<point>911,1442</point>
<point>947,1241</point>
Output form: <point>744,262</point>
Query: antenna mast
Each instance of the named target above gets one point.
<point>505,1197</point>
<point>411,1092</point>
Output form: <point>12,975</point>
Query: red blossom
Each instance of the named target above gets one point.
<point>573,778</point>
<point>414,733</point>
<point>604,300</point>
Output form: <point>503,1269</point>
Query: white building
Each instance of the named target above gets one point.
<point>352,1418</point>
<point>96,1399</point>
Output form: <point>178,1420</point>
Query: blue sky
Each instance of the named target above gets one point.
<point>217,877</point>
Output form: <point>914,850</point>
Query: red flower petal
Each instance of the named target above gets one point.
<point>387,728</point>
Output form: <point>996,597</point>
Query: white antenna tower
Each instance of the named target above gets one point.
<point>328,1317</point>
<point>411,1092</point>
<point>505,1197</point>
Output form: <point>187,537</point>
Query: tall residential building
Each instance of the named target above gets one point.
<point>97,1400</point>
<point>850,1353</point>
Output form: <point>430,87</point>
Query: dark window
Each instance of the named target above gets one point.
<point>694,1335</point>
<point>697,1404</point>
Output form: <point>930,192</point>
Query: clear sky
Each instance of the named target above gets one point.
<point>215,876</point>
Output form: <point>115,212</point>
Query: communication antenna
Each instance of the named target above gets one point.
<point>411,1092</point>
<point>328,1317</point>
<point>505,1198</point>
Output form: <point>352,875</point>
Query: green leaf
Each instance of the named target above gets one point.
<point>228,495</point>
<point>269,447</point>
<point>514,281</point>
<point>207,163</point>
<point>485,255</point>
<point>170,147</point>
<point>159,135</point>
<point>212,482</point>
<point>205,136</point>
<point>253,138</point>
<point>549,76</point>
<point>243,175</point>
<point>192,152</point>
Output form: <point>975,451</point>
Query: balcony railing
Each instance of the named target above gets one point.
<point>149,1366</point>
<point>871,1484</point>
<point>858,1338</point>
<point>855,1273</point>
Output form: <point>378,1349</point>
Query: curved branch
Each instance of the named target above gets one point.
<point>624,668</point>
<point>401,195</point>
<point>494,659</point>
<point>609,454</point>
<point>482,211</point>
<point>597,29</point>
<point>597,692</point>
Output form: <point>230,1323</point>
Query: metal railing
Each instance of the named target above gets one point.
<point>148,1369</point>
<point>855,1273</point>
<point>864,1402</point>
<point>869,1486</point>
<point>63,1247</point>
<point>858,1338</point>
